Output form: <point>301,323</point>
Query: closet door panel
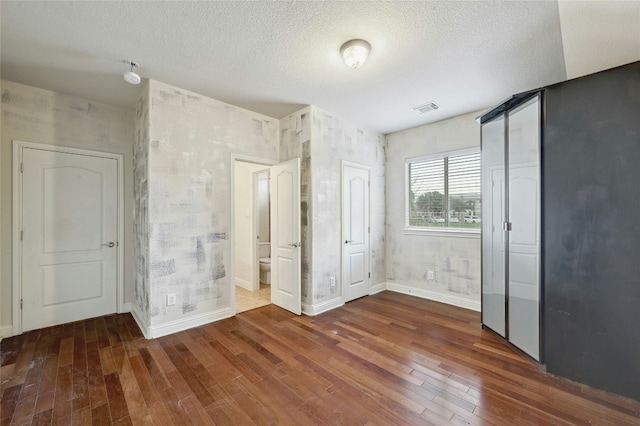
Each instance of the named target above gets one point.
<point>524,237</point>
<point>493,236</point>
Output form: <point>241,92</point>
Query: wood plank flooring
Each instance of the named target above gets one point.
<point>383,359</point>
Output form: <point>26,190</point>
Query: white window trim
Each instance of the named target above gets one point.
<point>432,231</point>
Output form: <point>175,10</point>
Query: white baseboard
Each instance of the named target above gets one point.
<point>142,324</point>
<point>377,288</point>
<point>318,308</point>
<point>244,284</point>
<point>436,296</point>
<point>182,324</point>
<point>6,331</point>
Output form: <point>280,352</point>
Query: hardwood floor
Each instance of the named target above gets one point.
<point>383,359</point>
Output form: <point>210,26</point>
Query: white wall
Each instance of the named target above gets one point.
<point>245,264</point>
<point>455,260</point>
<point>191,139</point>
<point>41,116</point>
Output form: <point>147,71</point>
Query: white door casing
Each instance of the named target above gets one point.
<point>355,231</point>
<point>69,215</point>
<point>285,236</point>
<point>234,159</point>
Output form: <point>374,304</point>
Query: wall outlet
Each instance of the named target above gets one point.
<point>431,275</point>
<point>332,282</point>
<point>171,299</point>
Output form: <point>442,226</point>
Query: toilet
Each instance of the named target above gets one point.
<point>265,262</point>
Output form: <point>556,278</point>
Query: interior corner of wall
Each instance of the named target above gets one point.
<point>141,320</point>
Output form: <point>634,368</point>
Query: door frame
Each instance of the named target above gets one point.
<point>345,163</point>
<point>16,222</point>
<point>232,219</point>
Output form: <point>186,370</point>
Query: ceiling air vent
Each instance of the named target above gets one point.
<point>424,108</point>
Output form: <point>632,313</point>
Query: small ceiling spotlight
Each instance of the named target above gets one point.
<point>130,76</point>
<point>355,52</point>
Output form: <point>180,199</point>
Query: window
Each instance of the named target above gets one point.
<point>443,191</point>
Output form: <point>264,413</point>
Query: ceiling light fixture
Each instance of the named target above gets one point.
<point>130,76</point>
<point>355,52</point>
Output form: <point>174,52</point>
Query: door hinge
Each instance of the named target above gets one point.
<point>21,234</point>
<point>369,229</point>
<point>20,303</point>
<point>21,167</point>
<point>369,274</point>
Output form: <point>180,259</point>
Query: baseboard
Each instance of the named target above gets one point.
<point>6,331</point>
<point>244,284</point>
<point>449,299</point>
<point>318,308</point>
<point>182,324</point>
<point>142,324</point>
<point>377,288</point>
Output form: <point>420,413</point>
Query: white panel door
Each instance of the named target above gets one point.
<point>285,236</point>
<point>355,232</point>
<point>69,248</point>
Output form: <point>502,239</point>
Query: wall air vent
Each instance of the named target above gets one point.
<point>424,108</point>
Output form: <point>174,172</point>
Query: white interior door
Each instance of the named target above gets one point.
<point>69,248</point>
<point>285,236</point>
<point>355,232</point>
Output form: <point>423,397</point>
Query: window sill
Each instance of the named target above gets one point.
<point>440,232</point>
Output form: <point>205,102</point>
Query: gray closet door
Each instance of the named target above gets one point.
<point>493,216</point>
<point>523,215</point>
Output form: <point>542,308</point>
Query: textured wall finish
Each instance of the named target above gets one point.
<point>455,260</point>
<point>295,142</point>
<point>189,195</point>
<point>35,115</point>
<point>333,140</point>
<point>141,294</point>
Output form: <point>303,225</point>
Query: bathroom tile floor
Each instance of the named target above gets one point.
<point>246,300</point>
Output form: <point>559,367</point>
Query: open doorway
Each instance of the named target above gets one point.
<point>252,235</point>
<point>284,234</point>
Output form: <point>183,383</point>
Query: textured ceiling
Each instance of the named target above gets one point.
<point>275,57</point>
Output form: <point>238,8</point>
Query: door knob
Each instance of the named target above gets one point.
<point>298,244</point>
<point>110,244</point>
<point>348,241</point>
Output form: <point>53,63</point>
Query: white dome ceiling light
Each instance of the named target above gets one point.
<point>355,52</point>
<point>130,76</point>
